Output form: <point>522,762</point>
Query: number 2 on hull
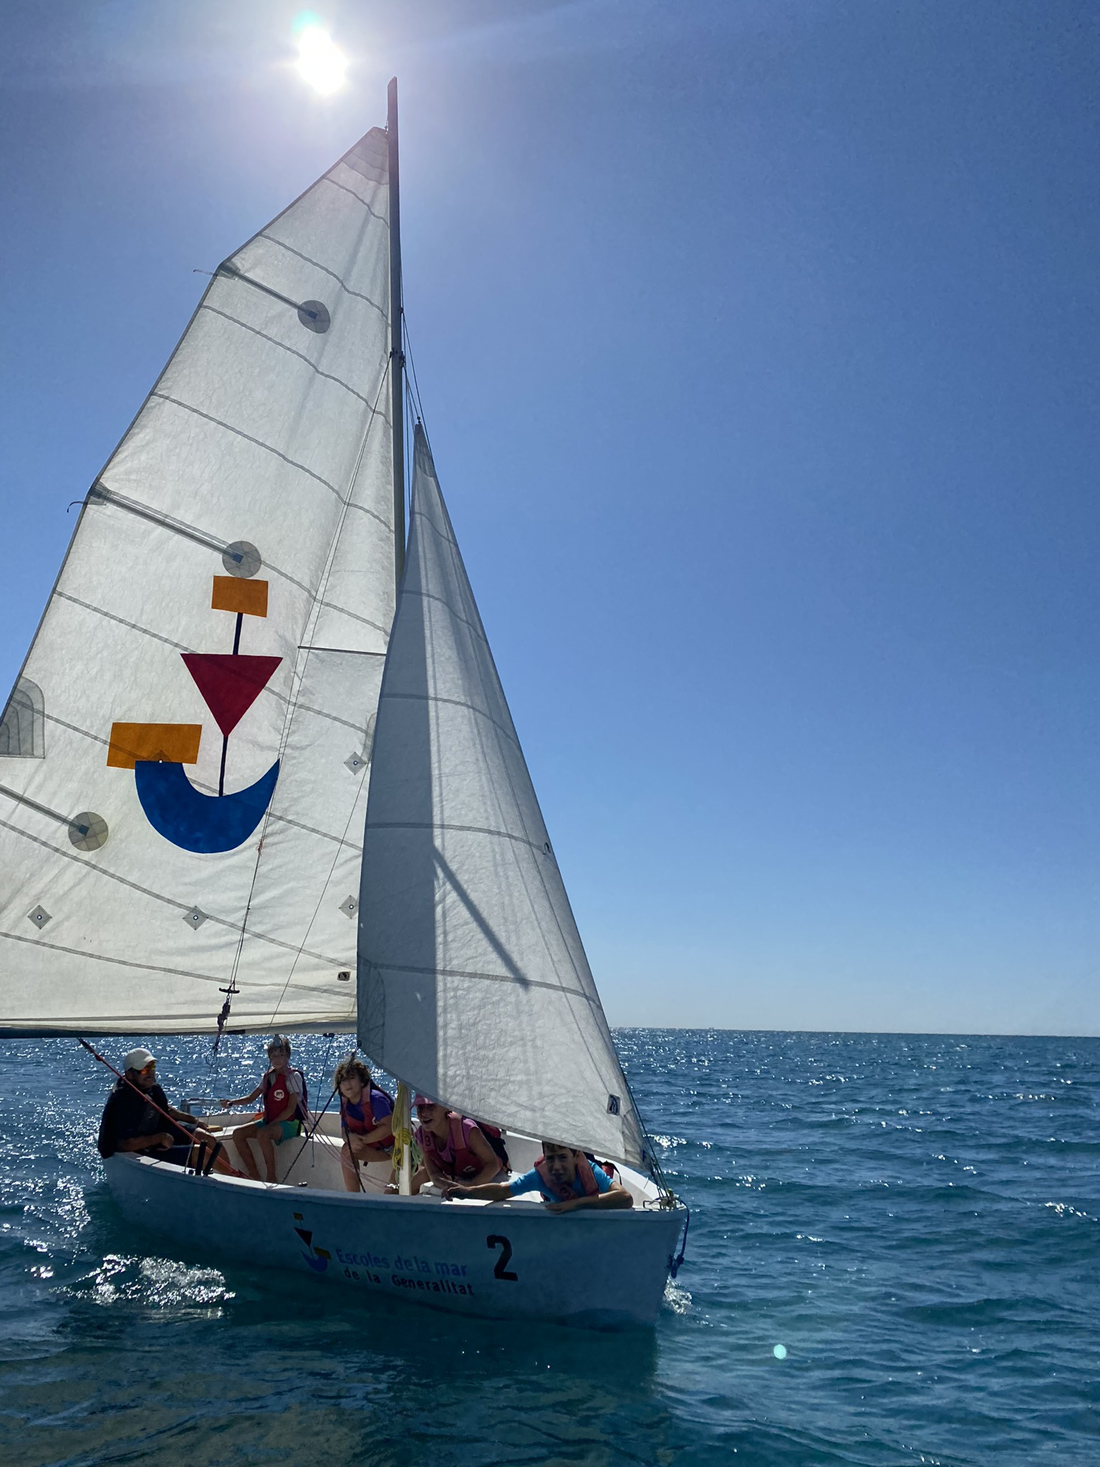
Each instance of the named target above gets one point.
<point>501,1270</point>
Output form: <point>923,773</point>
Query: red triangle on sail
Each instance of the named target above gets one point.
<point>230,684</point>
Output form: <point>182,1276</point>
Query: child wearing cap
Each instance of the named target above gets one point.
<point>454,1148</point>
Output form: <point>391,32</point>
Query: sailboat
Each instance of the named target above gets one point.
<point>259,749</point>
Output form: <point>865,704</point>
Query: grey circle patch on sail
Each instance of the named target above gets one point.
<point>241,559</point>
<point>88,831</point>
<point>314,316</point>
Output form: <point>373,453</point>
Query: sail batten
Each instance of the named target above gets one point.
<point>473,982</point>
<point>202,859</point>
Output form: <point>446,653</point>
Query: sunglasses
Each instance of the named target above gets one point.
<point>148,1069</point>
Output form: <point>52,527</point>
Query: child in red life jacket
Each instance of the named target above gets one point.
<point>285,1097</point>
<point>566,1179</point>
<point>366,1119</point>
<point>454,1148</point>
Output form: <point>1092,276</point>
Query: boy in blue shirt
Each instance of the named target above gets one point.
<point>566,1179</point>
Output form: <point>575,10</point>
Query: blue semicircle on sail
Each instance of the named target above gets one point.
<point>198,822</point>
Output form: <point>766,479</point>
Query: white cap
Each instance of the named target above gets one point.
<point>137,1059</point>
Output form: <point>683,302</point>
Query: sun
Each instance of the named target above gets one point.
<point>321,63</point>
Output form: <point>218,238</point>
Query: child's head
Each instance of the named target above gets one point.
<point>278,1052</point>
<point>432,1115</point>
<point>561,1162</point>
<point>351,1078</point>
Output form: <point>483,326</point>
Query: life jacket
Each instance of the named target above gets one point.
<point>358,1116</point>
<point>276,1096</point>
<point>495,1139</point>
<point>453,1156</point>
<point>608,1167</point>
<point>564,1193</point>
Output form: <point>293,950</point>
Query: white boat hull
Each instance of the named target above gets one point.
<point>602,1269</point>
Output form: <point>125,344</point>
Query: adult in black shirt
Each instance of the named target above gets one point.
<point>136,1117</point>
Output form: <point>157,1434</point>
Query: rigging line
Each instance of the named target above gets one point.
<point>320,899</point>
<point>312,1131</point>
<point>292,706</point>
<point>412,372</point>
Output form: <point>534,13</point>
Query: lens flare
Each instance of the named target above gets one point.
<point>321,63</point>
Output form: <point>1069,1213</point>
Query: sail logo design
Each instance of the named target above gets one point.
<point>229,683</point>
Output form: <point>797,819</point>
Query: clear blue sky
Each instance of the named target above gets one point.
<point>759,347</point>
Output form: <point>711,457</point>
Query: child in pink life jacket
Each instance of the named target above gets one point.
<point>366,1120</point>
<point>454,1148</point>
<point>284,1092</point>
<point>566,1179</point>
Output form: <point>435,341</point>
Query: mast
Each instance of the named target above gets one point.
<point>397,355</point>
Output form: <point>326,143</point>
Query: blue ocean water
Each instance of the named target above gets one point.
<point>915,1220</point>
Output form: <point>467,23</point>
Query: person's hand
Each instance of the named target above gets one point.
<point>566,1206</point>
<point>164,1139</point>
<point>451,1193</point>
<point>225,1104</point>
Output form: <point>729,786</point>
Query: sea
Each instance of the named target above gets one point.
<point>893,1258</point>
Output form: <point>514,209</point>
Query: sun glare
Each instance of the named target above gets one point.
<point>321,63</point>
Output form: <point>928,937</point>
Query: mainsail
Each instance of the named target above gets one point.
<point>473,982</point>
<point>184,759</point>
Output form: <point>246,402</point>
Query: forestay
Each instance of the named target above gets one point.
<point>166,825</point>
<point>473,982</point>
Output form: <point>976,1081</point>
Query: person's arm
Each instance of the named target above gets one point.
<point>490,1161</point>
<point>615,1196</point>
<point>382,1132</point>
<point>435,1172</point>
<point>487,1191</point>
<point>244,1099</point>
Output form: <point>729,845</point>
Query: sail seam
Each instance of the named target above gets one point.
<point>348,651</point>
<point>182,647</point>
<point>104,958</point>
<point>122,621</point>
<point>313,830</point>
<point>75,728</point>
<point>355,615</point>
<point>521,840</point>
<point>466,622</point>
<point>144,967</point>
<point>167,900</point>
<point>248,438</point>
<point>358,294</point>
<point>447,539</point>
<point>328,178</point>
<point>329,376</point>
<point>487,978</point>
<point>456,703</point>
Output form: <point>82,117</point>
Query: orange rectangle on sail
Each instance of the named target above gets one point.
<point>233,593</point>
<point>168,743</point>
